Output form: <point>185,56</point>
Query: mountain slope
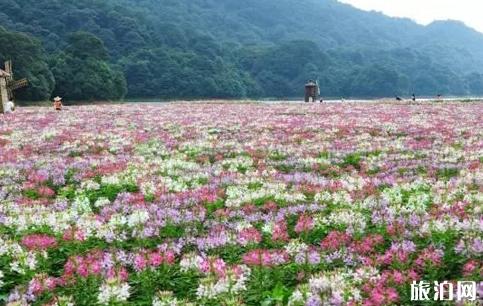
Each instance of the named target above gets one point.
<point>328,23</point>
<point>229,48</point>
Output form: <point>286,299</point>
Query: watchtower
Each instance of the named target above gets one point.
<point>311,91</point>
<point>8,85</point>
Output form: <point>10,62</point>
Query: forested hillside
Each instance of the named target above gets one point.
<point>107,49</point>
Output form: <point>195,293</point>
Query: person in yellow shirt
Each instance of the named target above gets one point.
<point>58,103</point>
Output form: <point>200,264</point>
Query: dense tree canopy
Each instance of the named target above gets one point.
<point>98,49</point>
<point>83,73</point>
<point>29,61</point>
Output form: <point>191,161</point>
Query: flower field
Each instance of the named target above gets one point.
<point>239,204</point>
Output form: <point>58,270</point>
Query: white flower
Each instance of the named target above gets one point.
<point>190,262</point>
<point>64,301</point>
<point>101,202</point>
<point>323,197</point>
<point>165,298</point>
<point>81,205</point>
<point>148,188</point>
<point>111,180</point>
<point>138,217</point>
<point>113,292</point>
<point>211,288</point>
<point>295,247</point>
<point>320,284</point>
<point>239,226</point>
<point>267,228</point>
<point>296,297</point>
<point>15,267</point>
<point>206,289</point>
<point>90,185</point>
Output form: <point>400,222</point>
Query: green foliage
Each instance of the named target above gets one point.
<point>82,72</point>
<point>353,160</point>
<point>270,286</point>
<point>31,194</point>
<point>29,61</point>
<point>110,191</point>
<point>278,296</point>
<point>172,231</point>
<point>83,45</point>
<point>447,173</point>
<point>206,48</point>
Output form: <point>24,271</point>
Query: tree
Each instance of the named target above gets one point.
<point>83,45</point>
<point>475,83</point>
<point>208,48</point>
<point>83,73</point>
<point>378,81</point>
<point>29,62</point>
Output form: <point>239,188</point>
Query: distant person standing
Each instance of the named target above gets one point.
<point>414,98</point>
<point>58,103</point>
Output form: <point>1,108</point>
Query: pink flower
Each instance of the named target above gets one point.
<point>96,267</point>
<point>382,296</point>
<point>249,235</point>
<point>35,286</point>
<point>470,267</point>
<point>155,259</point>
<point>169,257</point>
<point>123,274</point>
<point>254,257</point>
<point>69,268</point>
<point>51,283</point>
<point>213,265</point>
<point>412,275</point>
<point>377,297</point>
<point>205,266</point>
<point>270,206</point>
<point>111,273</point>
<point>73,234</point>
<point>219,267</point>
<point>280,232</point>
<point>46,192</point>
<point>368,244</point>
<point>38,242</point>
<point>266,258</point>
<point>249,209</point>
<point>392,294</point>
<point>305,223</point>
<point>83,270</point>
<point>38,177</point>
<point>140,262</point>
<point>335,240</point>
<point>237,270</point>
<point>429,256</point>
<point>398,277</point>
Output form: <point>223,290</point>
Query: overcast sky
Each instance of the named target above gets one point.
<point>426,11</point>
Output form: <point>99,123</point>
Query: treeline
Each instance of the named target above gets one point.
<point>79,71</point>
<point>111,49</point>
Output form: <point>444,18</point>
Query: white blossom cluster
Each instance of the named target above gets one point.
<point>113,291</point>
<point>231,284</point>
<point>22,260</point>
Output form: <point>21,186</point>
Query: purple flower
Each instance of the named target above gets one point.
<point>313,300</point>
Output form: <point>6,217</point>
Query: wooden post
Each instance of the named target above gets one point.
<point>8,85</point>
<point>3,93</point>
